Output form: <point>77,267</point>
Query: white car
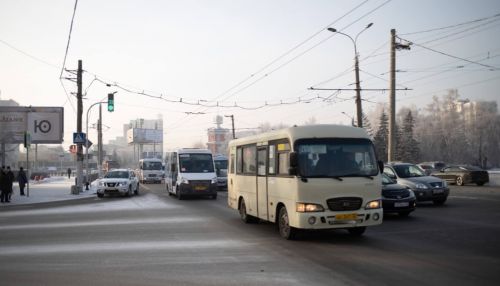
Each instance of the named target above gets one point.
<point>118,181</point>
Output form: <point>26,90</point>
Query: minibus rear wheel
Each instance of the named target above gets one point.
<point>243,213</point>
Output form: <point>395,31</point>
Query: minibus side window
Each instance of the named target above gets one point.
<point>283,158</point>
<point>239,161</point>
<point>249,160</point>
<point>272,160</point>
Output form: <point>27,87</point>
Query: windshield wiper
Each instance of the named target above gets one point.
<point>358,175</point>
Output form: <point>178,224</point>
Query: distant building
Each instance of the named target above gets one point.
<point>218,137</point>
<point>472,110</point>
<point>9,153</point>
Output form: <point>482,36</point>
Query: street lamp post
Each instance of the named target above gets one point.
<point>86,143</point>
<point>356,68</point>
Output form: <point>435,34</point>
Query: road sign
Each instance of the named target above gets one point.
<point>89,143</point>
<point>79,138</point>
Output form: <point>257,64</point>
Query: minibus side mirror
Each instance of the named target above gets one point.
<point>380,166</point>
<point>294,160</point>
<point>294,163</point>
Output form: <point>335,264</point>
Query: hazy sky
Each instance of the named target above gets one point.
<point>241,52</point>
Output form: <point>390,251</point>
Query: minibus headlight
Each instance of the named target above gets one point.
<point>184,181</point>
<point>306,208</point>
<point>376,204</point>
<point>214,180</point>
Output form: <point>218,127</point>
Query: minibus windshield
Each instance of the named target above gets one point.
<point>196,163</point>
<point>336,157</point>
<point>152,165</point>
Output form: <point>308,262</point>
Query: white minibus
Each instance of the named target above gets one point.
<point>150,170</point>
<point>190,172</point>
<point>307,177</point>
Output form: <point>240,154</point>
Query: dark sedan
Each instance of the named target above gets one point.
<point>397,198</point>
<point>463,174</point>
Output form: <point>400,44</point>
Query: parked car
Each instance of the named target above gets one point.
<point>431,167</point>
<point>397,198</point>
<point>118,181</point>
<point>426,188</point>
<point>463,174</point>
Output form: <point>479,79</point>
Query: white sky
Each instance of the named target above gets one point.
<point>197,50</point>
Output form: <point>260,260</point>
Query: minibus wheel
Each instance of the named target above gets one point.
<point>243,213</point>
<point>286,231</point>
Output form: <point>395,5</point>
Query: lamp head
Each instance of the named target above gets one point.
<point>332,30</point>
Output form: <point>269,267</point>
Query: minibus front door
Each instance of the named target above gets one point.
<point>262,207</point>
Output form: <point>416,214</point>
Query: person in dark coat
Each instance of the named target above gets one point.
<point>3,188</point>
<point>69,173</point>
<point>22,180</point>
<point>9,182</point>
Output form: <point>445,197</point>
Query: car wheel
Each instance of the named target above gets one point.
<point>100,195</point>
<point>460,181</point>
<point>129,192</point>
<point>439,202</point>
<point>480,184</point>
<point>286,231</point>
<point>356,231</point>
<point>243,213</point>
<point>136,192</point>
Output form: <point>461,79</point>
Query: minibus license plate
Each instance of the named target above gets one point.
<point>346,217</point>
<point>199,188</point>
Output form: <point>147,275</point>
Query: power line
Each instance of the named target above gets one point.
<point>448,55</point>
<point>28,55</point>
<point>69,39</point>
<point>452,26</point>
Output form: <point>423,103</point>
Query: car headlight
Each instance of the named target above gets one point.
<point>121,184</point>
<point>184,181</point>
<point>214,181</point>
<point>307,208</point>
<point>421,186</point>
<point>376,204</point>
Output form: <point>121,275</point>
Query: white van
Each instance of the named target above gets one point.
<point>150,170</point>
<point>190,172</point>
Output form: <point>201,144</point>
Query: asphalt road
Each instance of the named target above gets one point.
<point>154,239</point>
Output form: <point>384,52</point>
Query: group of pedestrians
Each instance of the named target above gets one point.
<point>7,182</point>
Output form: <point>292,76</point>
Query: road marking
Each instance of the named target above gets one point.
<point>119,246</point>
<point>474,198</point>
<point>142,221</point>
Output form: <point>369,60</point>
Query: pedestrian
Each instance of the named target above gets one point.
<point>9,182</point>
<point>22,180</point>
<point>69,173</point>
<point>3,190</point>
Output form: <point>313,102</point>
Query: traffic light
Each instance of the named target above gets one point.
<point>111,102</point>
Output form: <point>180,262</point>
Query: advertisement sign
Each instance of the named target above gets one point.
<point>144,136</point>
<point>45,124</point>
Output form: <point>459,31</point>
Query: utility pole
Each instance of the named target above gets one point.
<point>391,147</point>
<point>79,150</point>
<point>359,111</point>
<point>232,122</point>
